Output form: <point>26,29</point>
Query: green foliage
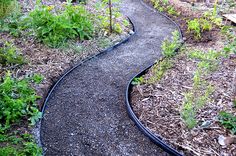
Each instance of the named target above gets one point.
<point>195,27</point>
<point>9,55</point>
<point>213,17</point>
<point>159,69</point>
<point>200,94</point>
<point>231,47</point>
<point>211,55</point>
<point>164,6</point>
<point>205,25</point>
<point>137,80</point>
<point>7,7</point>
<point>195,100</point>
<point>188,112</point>
<point>228,120</point>
<point>169,47</point>
<point>17,145</point>
<point>37,78</point>
<point>104,18</point>
<point>11,24</point>
<point>17,100</point>
<point>54,29</point>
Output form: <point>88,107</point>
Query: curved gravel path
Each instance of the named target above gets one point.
<point>86,114</point>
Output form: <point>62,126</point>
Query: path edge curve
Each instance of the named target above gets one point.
<point>156,139</point>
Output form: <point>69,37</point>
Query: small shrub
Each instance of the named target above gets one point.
<point>228,120</point>
<point>17,100</point>
<point>159,69</point>
<point>195,27</point>
<point>188,112</point>
<point>54,29</point>
<point>164,6</point>
<point>169,47</point>
<point>19,145</point>
<point>9,55</point>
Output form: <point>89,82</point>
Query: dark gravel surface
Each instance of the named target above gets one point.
<point>86,113</point>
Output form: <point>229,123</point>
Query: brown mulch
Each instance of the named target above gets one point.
<point>158,107</point>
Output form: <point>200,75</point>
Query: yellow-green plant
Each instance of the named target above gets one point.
<point>6,7</point>
<point>9,55</point>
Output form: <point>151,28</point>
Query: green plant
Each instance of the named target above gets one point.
<point>228,120</point>
<point>164,5</point>
<point>37,78</point>
<point>193,101</point>
<point>205,25</point>
<point>19,145</point>
<point>108,19</point>
<point>17,100</point>
<point>195,27</point>
<point>213,17</point>
<point>7,7</point>
<point>137,80</point>
<point>54,29</point>
<point>188,112</point>
<point>159,69</point>
<point>211,55</point>
<point>9,55</point>
<point>171,11</point>
<point>169,47</point>
<point>231,47</point>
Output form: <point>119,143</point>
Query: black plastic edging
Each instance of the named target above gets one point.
<point>157,140</point>
<point>79,64</point>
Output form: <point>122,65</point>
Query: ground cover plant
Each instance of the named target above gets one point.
<point>191,103</point>
<point>39,41</point>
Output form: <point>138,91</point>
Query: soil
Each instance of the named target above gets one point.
<point>86,114</point>
<point>158,105</point>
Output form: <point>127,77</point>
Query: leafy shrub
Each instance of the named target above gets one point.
<point>159,69</point>
<point>19,145</point>
<point>164,5</point>
<point>17,100</point>
<point>194,25</point>
<point>228,120</point>
<point>194,100</point>
<point>169,47</point>
<point>188,112</point>
<point>9,55</point>
<point>12,24</point>
<point>54,29</point>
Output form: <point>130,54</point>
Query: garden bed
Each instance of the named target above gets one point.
<point>185,99</point>
<point>34,63</point>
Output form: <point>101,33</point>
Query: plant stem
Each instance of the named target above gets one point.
<point>110,10</point>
